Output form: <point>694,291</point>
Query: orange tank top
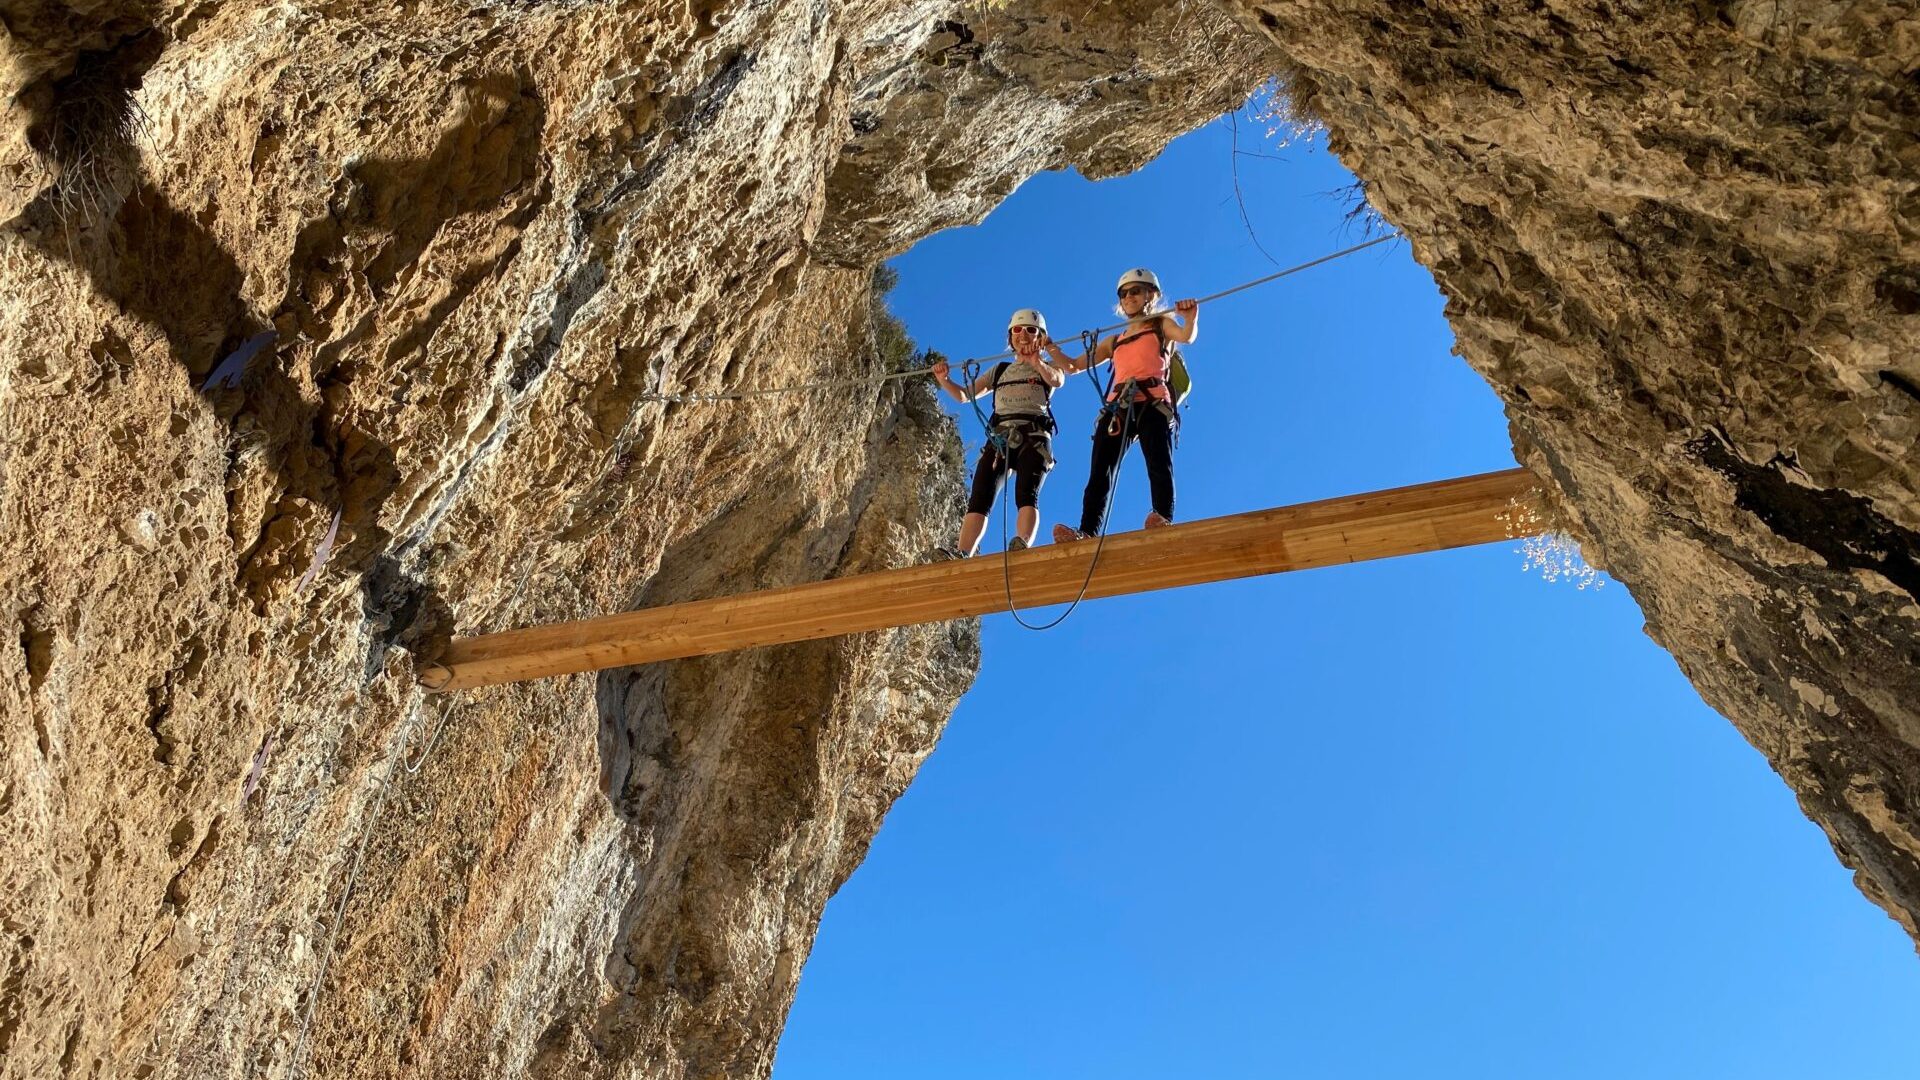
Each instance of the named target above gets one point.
<point>1140,357</point>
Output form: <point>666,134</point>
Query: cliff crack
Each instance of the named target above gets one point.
<point>1839,526</point>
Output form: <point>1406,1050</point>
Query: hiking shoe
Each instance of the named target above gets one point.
<point>1018,543</point>
<point>943,553</point>
<point>1155,521</point>
<point>1066,534</point>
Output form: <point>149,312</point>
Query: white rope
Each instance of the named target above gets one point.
<point>827,384</point>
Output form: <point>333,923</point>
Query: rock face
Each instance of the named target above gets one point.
<point>331,329</point>
<point>1683,245</point>
<point>463,246</point>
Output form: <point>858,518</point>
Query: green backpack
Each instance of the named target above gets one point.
<point>1179,381</point>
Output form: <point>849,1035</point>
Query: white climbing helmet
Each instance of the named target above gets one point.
<point>1138,276</point>
<point>1027,316</point>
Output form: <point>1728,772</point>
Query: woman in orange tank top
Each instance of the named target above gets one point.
<point>1140,406</point>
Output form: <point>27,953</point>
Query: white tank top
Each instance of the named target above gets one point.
<point>1028,396</point>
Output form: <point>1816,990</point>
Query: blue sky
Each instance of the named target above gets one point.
<point>1426,817</point>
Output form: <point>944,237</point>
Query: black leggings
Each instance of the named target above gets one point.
<point>1030,462</point>
<point>1143,420</point>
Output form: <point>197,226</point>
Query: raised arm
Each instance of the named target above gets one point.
<point>981,385</point>
<point>1102,353</point>
<point>1188,328</point>
<point>1054,377</point>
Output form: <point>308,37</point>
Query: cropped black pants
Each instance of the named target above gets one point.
<point>1029,461</point>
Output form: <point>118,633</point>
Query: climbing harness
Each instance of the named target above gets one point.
<point>1008,436</point>
<point>829,384</point>
<point>1112,410</point>
<point>1141,388</point>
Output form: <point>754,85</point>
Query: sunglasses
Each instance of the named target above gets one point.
<point>1132,291</point>
<point>1023,330</point>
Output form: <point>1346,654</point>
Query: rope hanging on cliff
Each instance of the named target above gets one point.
<point>827,384</point>
<point>297,1060</point>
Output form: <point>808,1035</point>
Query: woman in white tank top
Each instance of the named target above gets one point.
<point>1022,436</point>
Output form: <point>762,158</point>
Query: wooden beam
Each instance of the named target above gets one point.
<point>1379,525</point>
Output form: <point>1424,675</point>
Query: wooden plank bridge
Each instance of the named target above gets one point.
<point>1354,528</point>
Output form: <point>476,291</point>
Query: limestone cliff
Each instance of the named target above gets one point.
<point>1683,245</point>
<point>463,244</point>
